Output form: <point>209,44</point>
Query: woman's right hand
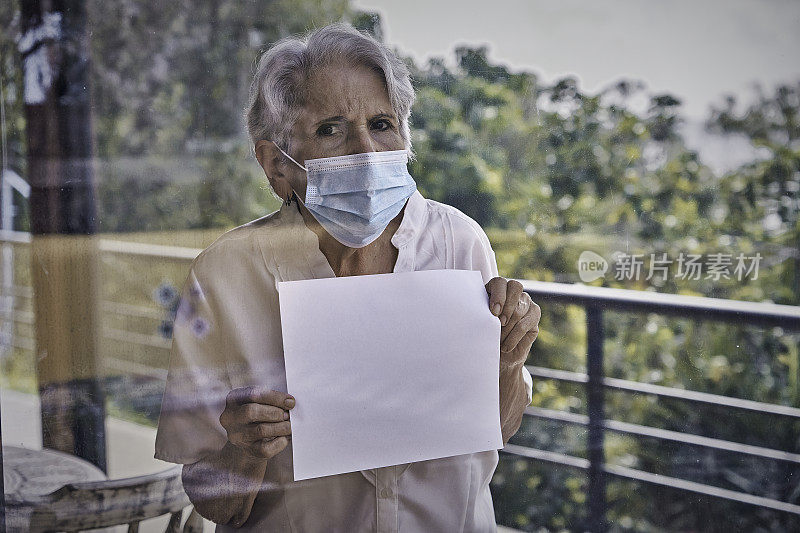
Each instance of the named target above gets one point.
<point>257,420</point>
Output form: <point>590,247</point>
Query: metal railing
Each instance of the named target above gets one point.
<point>596,301</point>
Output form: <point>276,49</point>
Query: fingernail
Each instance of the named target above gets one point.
<point>290,402</point>
<point>503,320</point>
<point>285,415</point>
<point>496,309</point>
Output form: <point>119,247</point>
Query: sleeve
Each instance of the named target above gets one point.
<point>197,381</point>
<point>528,384</point>
<point>479,255</point>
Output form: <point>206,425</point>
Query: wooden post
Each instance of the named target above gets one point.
<point>55,59</point>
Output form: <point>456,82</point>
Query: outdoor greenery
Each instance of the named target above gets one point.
<point>550,172</point>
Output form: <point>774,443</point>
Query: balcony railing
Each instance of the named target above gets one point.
<point>595,301</point>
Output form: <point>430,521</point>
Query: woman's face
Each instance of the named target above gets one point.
<point>347,112</point>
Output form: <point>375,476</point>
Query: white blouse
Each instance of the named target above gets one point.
<point>228,334</point>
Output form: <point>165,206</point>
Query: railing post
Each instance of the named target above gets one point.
<point>594,396</point>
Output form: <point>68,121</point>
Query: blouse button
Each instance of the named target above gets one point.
<point>386,493</point>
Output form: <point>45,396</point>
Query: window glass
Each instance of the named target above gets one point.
<point>615,155</point>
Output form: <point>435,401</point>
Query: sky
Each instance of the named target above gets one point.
<point>697,50</point>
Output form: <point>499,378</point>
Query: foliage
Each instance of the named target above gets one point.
<point>11,82</point>
<point>549,171</point>
<point>552,172</point>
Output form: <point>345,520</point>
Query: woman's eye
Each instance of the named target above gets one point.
<point>326,129</point>
<point>382,125</point>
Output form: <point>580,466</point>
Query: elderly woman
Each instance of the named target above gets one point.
<point>225,414</point>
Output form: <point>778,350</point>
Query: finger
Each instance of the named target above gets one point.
<point>530,337</point>
<point>513,293</point>
<point>236,396</point>
<point>256,412</point>
<point>524,346</point>
<point>256,432</point>
<point>526,324</point>
<point>523,305</point>
<point>267,396</point>
<point>262,395</point>
<point>536,310</point>
<point>269,448</point>
<point>497,295</point>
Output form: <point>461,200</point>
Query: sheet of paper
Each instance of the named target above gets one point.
<point>389,369</point>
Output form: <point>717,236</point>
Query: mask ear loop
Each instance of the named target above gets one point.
<point>290,157</point>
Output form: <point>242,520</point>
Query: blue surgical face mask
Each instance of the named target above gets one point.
<point>354,197</point>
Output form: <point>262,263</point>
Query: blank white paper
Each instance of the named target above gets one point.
<point>389,369</point>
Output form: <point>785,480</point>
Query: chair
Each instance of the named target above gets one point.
<point>100,504</point>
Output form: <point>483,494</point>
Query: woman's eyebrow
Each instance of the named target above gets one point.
<point>340,118</point>
<point>337,118</point>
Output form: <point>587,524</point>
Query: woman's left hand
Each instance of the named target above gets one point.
<point>519,318</point>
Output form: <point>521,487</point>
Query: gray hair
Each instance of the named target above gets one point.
<point>276,92</point>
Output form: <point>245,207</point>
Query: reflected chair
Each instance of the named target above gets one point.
<point>101,504</point>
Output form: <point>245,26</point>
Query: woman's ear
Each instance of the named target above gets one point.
<point>271,161</point>
<point>268,157</point>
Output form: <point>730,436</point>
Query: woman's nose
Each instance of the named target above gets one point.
<point>360,141</point>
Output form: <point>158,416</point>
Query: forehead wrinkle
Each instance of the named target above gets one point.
<point>333,92</point>
<point>327,105</point>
